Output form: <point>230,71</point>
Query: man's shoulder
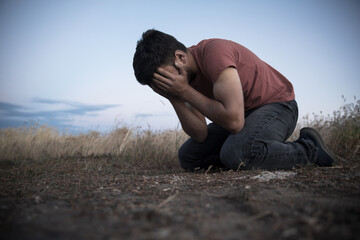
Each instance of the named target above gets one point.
<point>215,42</point>
<point>214,47</point>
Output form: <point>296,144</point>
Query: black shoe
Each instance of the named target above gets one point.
<point>325,157</point>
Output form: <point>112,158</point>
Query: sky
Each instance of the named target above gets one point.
<point>68,64</point>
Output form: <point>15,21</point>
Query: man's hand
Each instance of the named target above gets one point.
<point>171,83</point>
<point>159,91</point>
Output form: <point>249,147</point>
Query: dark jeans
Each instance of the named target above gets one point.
<point>259,145</point>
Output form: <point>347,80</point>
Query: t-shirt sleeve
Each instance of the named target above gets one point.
<point>218,55</point>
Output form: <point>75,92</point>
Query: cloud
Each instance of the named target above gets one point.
<point>50,101</point>
<point>143,115</point>
<point>14,115</point>
<point>149,115</point>
<point>12,110</point>
<point>9,109</point>
<point>76,107</point>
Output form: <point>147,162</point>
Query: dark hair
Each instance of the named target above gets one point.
<point>155,48</point>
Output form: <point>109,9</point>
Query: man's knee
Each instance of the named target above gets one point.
<point>235,157</point>
<point>244,156</point>
<point>185,158</point>
<point>182,156</point>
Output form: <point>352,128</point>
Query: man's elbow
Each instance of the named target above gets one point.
<point>236,126</point>
<point>199,137</point>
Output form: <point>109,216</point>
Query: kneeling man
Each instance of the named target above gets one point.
<point>251,105</point>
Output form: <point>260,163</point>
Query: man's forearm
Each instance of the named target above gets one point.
<point>228,108</point>
<point>195,126</point>
<point>213,110</point>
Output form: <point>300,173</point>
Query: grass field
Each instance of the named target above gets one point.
<point>340,131</point>
<point>128,185</point>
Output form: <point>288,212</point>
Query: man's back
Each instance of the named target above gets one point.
<point>261,83</point>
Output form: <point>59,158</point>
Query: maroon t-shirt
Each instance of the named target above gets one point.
<point>260,82</point>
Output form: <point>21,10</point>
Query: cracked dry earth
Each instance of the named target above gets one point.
<point>65,201</point>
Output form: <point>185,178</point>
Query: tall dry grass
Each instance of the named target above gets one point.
<point>43,142</point>
<point>340,131</point>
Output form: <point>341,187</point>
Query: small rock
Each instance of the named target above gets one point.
<point>37,199</point>
<point>267,176</point>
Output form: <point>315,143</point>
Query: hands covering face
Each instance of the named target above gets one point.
<point>170,84</point>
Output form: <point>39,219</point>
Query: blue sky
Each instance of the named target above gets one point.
<point>69,63</point>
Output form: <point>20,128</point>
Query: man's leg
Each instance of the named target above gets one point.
<point>193,155</point>
<point>261,143</point>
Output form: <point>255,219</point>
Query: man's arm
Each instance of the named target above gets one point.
<point>192,121</point>
<point>227,109</point>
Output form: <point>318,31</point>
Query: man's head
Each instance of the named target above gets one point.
<point>154,49</point>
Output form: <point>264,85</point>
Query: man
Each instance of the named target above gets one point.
<point>251,105</point>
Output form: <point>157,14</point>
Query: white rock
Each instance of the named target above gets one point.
<point>267,176</point>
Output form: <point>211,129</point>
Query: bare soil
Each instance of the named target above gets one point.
<point>103,199</point>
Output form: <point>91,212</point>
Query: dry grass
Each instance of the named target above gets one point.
<point>43,142</point>
<point>340,131</point>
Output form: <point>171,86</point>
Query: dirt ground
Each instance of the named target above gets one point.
<point>102,199</point>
